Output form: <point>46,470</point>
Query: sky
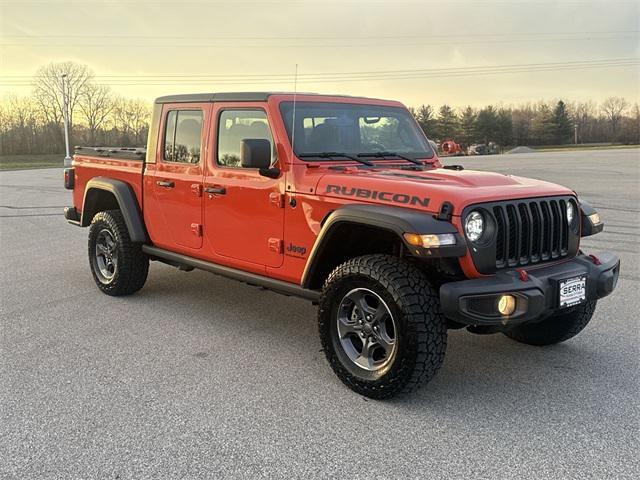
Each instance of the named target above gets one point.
<point>416,51</point>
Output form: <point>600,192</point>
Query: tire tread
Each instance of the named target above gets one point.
<point>133,263</point>
<point>420,304</point>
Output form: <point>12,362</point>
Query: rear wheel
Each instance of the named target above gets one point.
<point>555,329</point>
<point>381,327</point>
<point>118,265</point>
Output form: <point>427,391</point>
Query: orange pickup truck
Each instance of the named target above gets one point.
<point>342,201</point>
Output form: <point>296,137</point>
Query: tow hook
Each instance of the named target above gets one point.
<point>595,260</point>
<point>524,276</point>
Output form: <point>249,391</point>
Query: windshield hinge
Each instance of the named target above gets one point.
<point>446,211</point>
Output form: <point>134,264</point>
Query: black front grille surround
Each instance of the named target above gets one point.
<point>524,232</point>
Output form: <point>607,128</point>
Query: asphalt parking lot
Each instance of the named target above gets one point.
<point>198,376</point>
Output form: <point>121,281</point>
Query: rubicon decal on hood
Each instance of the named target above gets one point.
<point>391,197</point>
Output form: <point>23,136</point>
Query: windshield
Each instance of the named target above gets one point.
<point>354,130</point>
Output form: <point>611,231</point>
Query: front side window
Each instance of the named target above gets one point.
<point>183,136</point>
<point>353,129</point>
<point>237,125</point>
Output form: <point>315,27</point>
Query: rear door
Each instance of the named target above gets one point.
<point>244,211</point>
<point>178,176</point>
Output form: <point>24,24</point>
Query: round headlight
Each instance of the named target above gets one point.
<point>571,213</point>
<point>474,226</point>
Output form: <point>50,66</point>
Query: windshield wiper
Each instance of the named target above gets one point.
<point>390,154</point>
<point>336,154</point>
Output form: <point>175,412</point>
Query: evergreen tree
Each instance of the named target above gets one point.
<point>562,124</point>
<point>447,123</point>
<point>468,126</point>
<point>543,126</point>
<point>487,125</point>
<point>504,131</point>
<point>426,120</point>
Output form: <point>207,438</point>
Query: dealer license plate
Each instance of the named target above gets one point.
<point>573,291</point>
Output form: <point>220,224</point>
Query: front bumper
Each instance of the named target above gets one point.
<point>473,302</point>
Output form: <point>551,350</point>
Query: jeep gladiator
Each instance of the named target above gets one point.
<point>342,201</point>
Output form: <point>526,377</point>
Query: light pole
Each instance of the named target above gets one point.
<point>65,115</point>
<point>575,133</point>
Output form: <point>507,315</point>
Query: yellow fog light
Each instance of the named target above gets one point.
<point>594,218</point>
<point>507,305</point>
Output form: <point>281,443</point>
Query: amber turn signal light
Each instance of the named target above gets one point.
<point>430,241</point>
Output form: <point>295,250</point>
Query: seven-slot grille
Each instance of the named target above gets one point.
<point>531,231</point>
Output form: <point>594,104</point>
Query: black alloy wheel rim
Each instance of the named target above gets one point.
<point>106,256</point>
<point>366,330</point>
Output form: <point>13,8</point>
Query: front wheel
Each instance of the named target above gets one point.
<point>555,329</point>
<point>118,265</point>
<point>381,326</point>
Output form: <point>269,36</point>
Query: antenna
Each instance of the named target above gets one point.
<point>293,128</point>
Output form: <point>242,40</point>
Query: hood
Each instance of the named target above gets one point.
<point>427,189</point>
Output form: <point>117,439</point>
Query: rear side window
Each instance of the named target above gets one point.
<point>183,136</point>
<point>237,125</point>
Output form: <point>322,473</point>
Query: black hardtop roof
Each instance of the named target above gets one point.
<point>212,97</point>
<point>235,97</point>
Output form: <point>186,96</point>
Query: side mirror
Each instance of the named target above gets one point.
<point>255,153</point>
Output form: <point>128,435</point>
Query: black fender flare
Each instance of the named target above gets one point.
<point>394,219</point>
<point>127,202</point>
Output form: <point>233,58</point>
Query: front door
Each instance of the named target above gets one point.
<point>178,177</point>
<point>244,211</point>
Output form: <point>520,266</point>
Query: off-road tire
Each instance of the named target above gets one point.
<point>132,263</point>
<point>555,329</point>
<point>421,327</point>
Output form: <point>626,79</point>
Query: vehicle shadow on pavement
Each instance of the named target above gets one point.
<point>492,375</point>
<point>490,372</point>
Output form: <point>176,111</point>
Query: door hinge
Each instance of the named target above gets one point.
<point>196,228</point>
<point>277,199</point>
<point>276,245</point>
<point>196,188</point>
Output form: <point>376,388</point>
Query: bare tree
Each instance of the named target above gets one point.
<point>48,91</point>
<point>4,129</point>
<point>96,104</point>
<point>24,123</point>
<point>634,121</point>
<point>584,114</point>
<point>132,118</point>
<point>522,117</point>
<point>613,108</point>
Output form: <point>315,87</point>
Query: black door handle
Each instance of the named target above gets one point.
<point>218,190</point>
<point>166,184</point>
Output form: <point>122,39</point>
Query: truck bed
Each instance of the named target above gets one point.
<point>125,164</point>
<point>121,153</point>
